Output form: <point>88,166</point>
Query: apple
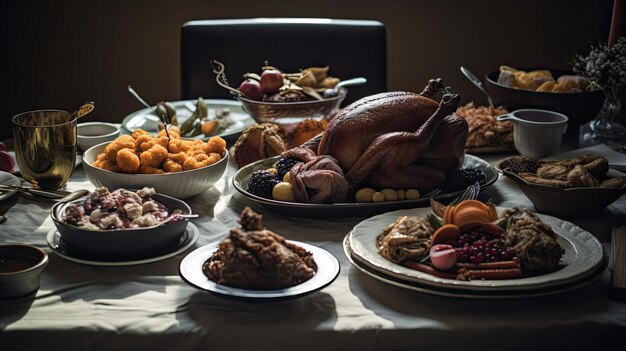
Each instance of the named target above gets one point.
<point>251,89</point>
<point>443,256</point>
<point>271,81</point>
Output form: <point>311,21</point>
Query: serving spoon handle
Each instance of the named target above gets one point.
<point>472,78</point>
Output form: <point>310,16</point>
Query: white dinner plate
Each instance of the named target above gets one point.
<point>494,294</point>
<point>583,255</point>
<point>8,179</point>
<point>191,272</point>
<point>147,120</point>
<point>189,237</point>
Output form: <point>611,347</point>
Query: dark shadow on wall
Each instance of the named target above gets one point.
<point>58,54</point>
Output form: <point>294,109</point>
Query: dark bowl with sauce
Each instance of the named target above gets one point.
<point>20,269</point>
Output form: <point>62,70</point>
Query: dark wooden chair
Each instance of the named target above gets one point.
<point>352,48</point>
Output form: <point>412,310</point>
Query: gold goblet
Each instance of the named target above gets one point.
<point>45,147</point>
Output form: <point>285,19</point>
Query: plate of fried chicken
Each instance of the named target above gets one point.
<point>254,262</point>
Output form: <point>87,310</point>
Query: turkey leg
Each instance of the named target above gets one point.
<point>398,151</point>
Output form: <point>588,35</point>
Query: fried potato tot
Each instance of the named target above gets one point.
<point>128,160</point>
<point>123,142</point>
<point>142,153</point>
<point>154,156</point>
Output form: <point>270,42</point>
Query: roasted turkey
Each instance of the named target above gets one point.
<point>397,139</point>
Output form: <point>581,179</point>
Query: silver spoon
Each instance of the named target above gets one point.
<point>134,93</point>
<point>332,92</point>
<point>472,78</point>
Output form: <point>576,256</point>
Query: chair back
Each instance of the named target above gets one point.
<point>352,48</point>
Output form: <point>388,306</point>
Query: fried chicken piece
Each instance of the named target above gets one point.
<point>252,257</point>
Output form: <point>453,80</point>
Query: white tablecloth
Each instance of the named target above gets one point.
<point>81,307</point>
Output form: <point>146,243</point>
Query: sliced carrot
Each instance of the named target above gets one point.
<point>445,234</point>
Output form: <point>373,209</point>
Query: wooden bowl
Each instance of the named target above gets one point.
<point>570,202</point>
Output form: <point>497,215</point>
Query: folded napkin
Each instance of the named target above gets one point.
<point>617,160</point>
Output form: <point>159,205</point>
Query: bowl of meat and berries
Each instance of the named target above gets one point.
<point>121,223</point>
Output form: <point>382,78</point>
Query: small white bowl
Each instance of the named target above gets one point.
<point>20,269</point>
<point>181,185</point>
<point>93,133</point>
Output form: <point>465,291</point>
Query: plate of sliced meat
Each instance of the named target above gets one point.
<point>533,251</point>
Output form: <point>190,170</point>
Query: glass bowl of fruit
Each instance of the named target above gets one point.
<point>285,98</point>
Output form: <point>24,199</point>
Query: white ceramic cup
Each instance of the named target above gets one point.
<point>536,133</point>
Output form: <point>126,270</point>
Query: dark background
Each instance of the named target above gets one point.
<point>58,54</point>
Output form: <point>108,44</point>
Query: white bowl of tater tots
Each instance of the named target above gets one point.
<point>176,167</point>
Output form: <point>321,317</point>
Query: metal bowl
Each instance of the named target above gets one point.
<point>292,112</point>
<point>93,133</point>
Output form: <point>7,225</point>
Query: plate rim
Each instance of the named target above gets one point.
<point>489,285</point>
<point>11,180</point>
<point>276,203</point>
<point>193,233</point>
<point>203,253</point>
<point>246,121</point>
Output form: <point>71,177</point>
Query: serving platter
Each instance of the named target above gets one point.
<point>347,209</point>
<point>583,256</point>
<point>470,294</point>
<point>191,271</point>
<point>55,242</point>
<point>147,120</point>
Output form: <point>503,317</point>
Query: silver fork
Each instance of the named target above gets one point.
<point>471,193</point>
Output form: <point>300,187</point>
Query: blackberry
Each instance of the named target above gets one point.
<point>261,184</point>
<point>471,175</point>
<point>463,178</point>
<point>284,165</point>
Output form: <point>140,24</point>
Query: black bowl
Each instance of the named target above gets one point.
<point>128,243</point>
<point>580,108</point>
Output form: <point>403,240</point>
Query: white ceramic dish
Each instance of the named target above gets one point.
<point>191,271</point>
<point>583,255</point>
<point>8,179</point>
<point>55,242</point>
<point>20,269</point>
<point>147,120</point>
<point>93,133</point>
<point>471,294</point>
<point>182,185</point>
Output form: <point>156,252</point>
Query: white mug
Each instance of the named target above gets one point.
<point>536,133</point>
